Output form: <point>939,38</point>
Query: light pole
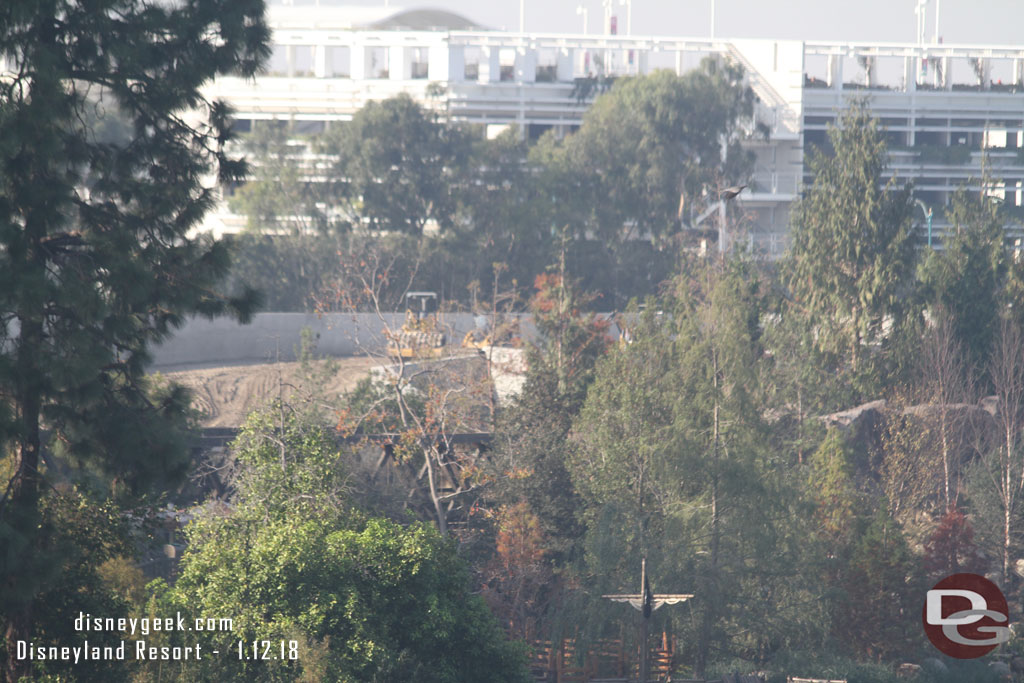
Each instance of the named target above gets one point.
<point>921,10</point>
<point>928,216</point>
<point>581,10</point>
<point>628,4</point>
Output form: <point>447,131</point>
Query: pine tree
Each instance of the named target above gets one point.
<point>967,279</point>
<point>96,261</point>
<point>852,254</point>
<point>671,462</point>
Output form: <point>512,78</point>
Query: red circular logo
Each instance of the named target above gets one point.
<point>966,616</point>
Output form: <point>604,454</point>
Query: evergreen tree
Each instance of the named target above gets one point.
<point>878,613</point>
<point>671,462</point>
<point>967,279</point>
<point>96,257</point>
<point>532,435</point>
<point>850,264</point>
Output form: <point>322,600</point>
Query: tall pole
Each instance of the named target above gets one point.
<point>921,10</point>
<point>629,16</point>
<point>936,22</point>
<point>645,614</point>
<point>712,18</point>
<point>646,602</point>
<point>522,16</point>
<point>580,9</point>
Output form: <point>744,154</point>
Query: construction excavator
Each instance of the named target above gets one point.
<point>420,335</point>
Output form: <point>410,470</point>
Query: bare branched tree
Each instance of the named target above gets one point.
<point>946,383</point>
<point>1004,458</point>
<point>413,407</point>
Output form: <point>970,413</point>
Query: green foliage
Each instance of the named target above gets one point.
<point>850,265</point>
<point>817,664</point>
<point>531,448</point>
<point>872,582</point>
<point>832,486</point>
<point>79,537</point>
<point>878,612</point>
<point>530,464</point>
<point>671,463</point>
<point>651,139</point>
<point>279,195</point>
<point>389,603</point>
<point>97,261</point>
<point>968,279</point>
<point>626,455</point>
<point>798,384</point>
<point>645,148</point>
<point>694,442</point>
<point>373,600</point>
<point>398,167</point>
<point>505,216</point>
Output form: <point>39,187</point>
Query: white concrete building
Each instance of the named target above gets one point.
<point>942,104</point>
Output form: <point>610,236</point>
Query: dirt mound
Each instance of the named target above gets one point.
<point>225,395</point>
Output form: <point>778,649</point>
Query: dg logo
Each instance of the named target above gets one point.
<point>966,616</point>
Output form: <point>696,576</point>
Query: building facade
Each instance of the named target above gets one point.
<point>945,107</point>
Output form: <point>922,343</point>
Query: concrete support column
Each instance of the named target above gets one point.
<point>563,65</point>
<point>399,63</point>
<point>320,61</point>
<point>490,64</point>
<point>445,63</point>
<point>835,72</point>
<point>358,62</point>
<point>526,65</point>
<point>947,73</point>
<point>641,62</point>
<point>289,52</point>
<point>910,73</point>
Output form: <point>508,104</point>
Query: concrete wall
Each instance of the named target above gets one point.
<point>224,342</point>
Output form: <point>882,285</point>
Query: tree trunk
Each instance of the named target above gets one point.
<point>21,509</point>
<point>22,506</point>
<point>442,516</point>
<point>1006,548</point>
<point>945,456</point>
<point>710,584</point>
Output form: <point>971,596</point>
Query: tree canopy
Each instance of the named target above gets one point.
<point>850,264</point>
<point>97,260</point>
<point>367,598</point>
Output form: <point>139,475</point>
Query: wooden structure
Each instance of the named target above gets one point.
<point>646,602</point>
<point>606,661</point>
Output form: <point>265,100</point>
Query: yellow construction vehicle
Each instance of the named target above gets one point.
<point>484,335</point>
<point>420,335</point>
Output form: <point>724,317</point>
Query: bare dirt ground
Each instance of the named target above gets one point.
<point>225,395</point>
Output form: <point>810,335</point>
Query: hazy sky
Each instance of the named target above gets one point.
<point>997,22</point>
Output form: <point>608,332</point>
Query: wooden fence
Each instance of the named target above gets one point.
<point>605,661</point>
